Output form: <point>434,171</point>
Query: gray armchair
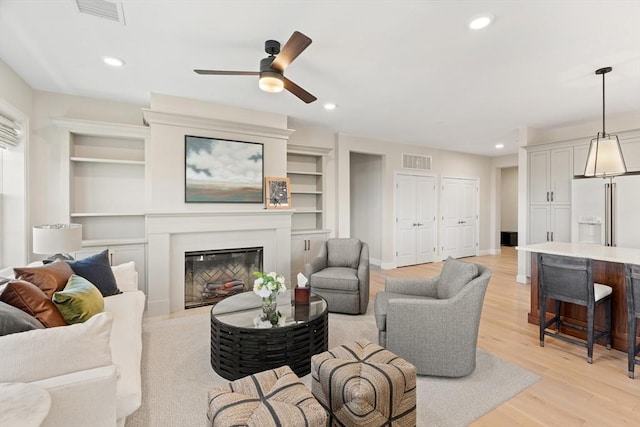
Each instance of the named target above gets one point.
<point>433,323</point>
<point>340,274</point>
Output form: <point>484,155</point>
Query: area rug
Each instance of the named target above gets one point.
<point>177,375</point>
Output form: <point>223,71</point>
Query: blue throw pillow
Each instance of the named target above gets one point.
<point>96,269</point>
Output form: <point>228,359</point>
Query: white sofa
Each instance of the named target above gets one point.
<point>91,370</point>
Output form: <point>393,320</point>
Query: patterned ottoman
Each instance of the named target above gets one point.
<point>270,398</point>
<point>362,384</point>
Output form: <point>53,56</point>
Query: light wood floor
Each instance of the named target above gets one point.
<point>571,392</point>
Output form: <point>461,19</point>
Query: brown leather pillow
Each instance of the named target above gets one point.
<point>49,278</point>
<point>32,300</point>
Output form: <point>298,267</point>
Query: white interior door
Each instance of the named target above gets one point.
<point>459,217</point>
<point>415,219</point>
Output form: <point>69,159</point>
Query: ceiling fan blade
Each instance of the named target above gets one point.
<point>228,73</point>
<point>297,43</point>
<point>298,91</point>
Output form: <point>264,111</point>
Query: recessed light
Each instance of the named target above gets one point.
<point>499,145</point>
<point>114,62</point>
<point>330,106</point>
<point>480,21</point>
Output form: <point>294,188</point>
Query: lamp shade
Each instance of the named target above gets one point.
<point>605,157</point>
<point>271,81</point>
<point>57,238</point>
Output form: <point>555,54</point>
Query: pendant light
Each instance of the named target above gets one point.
<point>605,155</point>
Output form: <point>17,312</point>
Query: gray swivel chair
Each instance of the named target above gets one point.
<point>340,274</point>
<point>632,277</point>
<point>569,279</point>
<point>433,323</point>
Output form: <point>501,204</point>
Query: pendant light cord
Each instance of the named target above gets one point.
<point>603,131</point>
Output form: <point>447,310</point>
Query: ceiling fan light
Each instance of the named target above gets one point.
<point>605,157</point>
<point>271,82</point>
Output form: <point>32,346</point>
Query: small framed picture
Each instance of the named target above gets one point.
<point>277,193</point>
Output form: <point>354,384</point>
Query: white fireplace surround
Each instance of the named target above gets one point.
<point>170,235</point>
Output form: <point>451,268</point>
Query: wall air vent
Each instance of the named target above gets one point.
<point>102,9</point>
<point>416,161</point>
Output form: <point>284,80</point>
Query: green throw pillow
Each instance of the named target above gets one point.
<point>79,300</point>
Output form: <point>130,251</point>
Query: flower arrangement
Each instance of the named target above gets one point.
<point>268,284</point>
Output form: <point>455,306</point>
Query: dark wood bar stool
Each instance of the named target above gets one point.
<point>632,277</point>
<point>569,279</point>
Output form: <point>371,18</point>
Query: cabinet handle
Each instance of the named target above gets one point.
<point>552,236</point>
<point>547,236</point>
<point>111,259</point>
<point>547,196</point>
<point>552,196</point>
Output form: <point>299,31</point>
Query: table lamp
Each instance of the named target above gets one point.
<point>57,240</point>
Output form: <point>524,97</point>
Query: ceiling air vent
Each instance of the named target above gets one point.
<point>416,161</point>
<point>102,9</point>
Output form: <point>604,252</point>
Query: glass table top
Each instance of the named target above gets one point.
<point>244,310</point>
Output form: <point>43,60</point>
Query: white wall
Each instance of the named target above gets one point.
<point>366,201</point>
<point>165,154</point>
<point>445,163</point>
<point>509,199</point>
<point>16,104</point>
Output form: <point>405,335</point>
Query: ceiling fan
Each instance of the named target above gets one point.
<point>272,68</point>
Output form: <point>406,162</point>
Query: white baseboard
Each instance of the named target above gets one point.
<point>387,265</point>
<point>522,278</point>
<point>375,261</point>
<point>490,252</point>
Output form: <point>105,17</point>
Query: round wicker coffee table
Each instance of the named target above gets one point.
<point>238,348</point>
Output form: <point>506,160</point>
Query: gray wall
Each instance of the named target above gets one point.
<point>366,201</point>
<point>509,200</point>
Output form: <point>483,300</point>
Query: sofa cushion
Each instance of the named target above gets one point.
<point>50,278</point>
<point>126,276</point>
<point>97,270</point>
<point>343,278</point>
<point>454,276</point>
<point>33,301</point>
<point>343,252</point>
<point>79,300</point>
<point>14,320</point>
<point>46,353</point>
<point>126,347</point>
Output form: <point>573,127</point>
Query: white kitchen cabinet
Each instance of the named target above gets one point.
<point>304,248</point>
<point>550,223</point>
<point>550,175</point>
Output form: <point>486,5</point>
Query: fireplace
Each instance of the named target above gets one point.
<point>212,275</point>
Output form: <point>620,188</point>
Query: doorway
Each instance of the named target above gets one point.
<point>415,222</point>
<point>459,217</point>
<point>365,202</point>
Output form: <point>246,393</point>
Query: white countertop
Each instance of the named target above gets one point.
<point>586,250</point>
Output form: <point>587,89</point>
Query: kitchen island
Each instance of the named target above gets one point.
<point>608,269</point>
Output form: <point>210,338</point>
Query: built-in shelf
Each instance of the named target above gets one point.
<point>309,231</point>
<point>113,242</point>
<point>106,188</point>
<point>110,161</point>
<point>296,172</point>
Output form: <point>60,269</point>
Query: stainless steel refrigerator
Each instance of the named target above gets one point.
<point>606,211</point>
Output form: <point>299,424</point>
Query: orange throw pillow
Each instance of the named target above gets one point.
<point>49,278</point>
<point>32,300</point>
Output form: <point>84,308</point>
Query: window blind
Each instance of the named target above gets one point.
<point>10,133</point>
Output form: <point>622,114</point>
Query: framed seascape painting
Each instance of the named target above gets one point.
<point>223,171</point>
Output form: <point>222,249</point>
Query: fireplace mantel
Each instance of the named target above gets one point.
<point>170,235</point>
